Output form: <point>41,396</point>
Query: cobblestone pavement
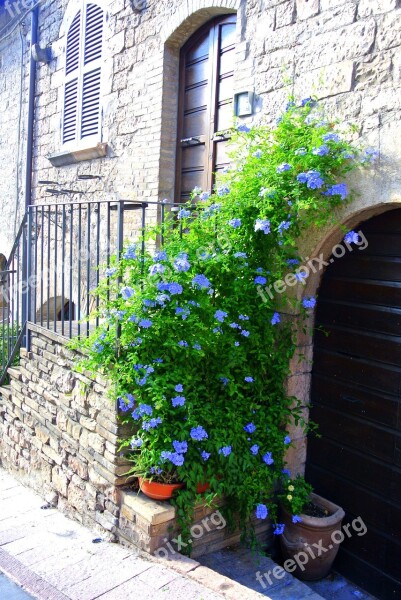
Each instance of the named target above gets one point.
<point>54,558</point>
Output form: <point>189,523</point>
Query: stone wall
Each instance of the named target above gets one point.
<point>59,433</point>
<point>59,436</point>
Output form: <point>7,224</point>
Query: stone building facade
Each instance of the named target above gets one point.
<point>347,53</point>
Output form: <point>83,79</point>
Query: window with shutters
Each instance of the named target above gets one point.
<point>82,92</point>
<point>205,105</point>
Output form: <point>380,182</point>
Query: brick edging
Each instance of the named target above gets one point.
<point>27,579</point>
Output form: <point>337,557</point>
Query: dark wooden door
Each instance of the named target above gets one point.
<point>206,105</point>
<point>356,387</point>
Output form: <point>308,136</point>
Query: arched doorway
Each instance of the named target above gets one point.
<point>205,104</point>
<point>356,386</point>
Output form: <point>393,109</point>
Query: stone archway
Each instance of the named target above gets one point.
<point>317,248</point>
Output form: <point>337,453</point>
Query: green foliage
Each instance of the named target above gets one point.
<point>175,363</point>
<point>295,495</point>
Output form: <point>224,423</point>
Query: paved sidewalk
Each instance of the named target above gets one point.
<point>54,558</point>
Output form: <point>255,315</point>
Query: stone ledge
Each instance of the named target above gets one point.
<point>153,511</point>
<point>61,159</point>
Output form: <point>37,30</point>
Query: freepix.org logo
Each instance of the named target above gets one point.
<point>19,7</point>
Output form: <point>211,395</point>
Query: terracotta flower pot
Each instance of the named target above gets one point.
<point>158,491</point>
<point>310,537</point>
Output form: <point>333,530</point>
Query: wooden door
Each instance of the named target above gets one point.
<point>205,105</point>
<point>356,386</point>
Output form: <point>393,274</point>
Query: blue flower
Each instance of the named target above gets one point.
<point>296,519</point>
<point>259,280</point>
<point>162,299</point>
<point>148,303</point>
<point>204,196</point>
<point>130,252</point>
<point>312,179</point>
<point>254,449</point>
<point>197,190</point>
<point>217,330</point>
<point>156,470</point>
<point>220,315</point>
<point>179,388</point>
<point>321,150</point>
<point>162,255</point>
<point>98,347</point>
<point>245,333</point>
<point>292,261</point>
<point>290,105</point>
<point>286,472</point>
<point>257,153</point>
<point>243,318</point>
<point>198,433</point>
<point>250,428</point>
<point>110,272</point>
<point>240,255</point>
<point>262,225</point>
<point>340,189</point>
<point>126,405</point>
<point>347,154</point>
<point>141,411</point>
<point>309,101</point>
<point>284,225</point>
<point>268,459</point>
<point>234,326</point>
<point>331,137</point>
<point>181,263</point>
<point>136,443</point>
<point>223,190</point>
<point>183,344</point>
<point>237,344</point>
<point>201,282</point>
<point>184,312</point>
<point>158,360</point>
<point>145,323</point>
<point>283,167</point>
<point>174,288</point>
<point>351,237</point>
<point>225,450</point>
<point>275,318</point>
<point>309,302</point>
<point>243,128</point>
<point>119,314</point>
<point>205,455</point>
<point>156,269</point>
<point>178,401</point>
<point>177,459</point>
<point>278,528</point>
<point>235,223</point>
<point>370,155</point>
<point>224,380</point>
<point>152,424</point>
<point>287,440</point>
<point>261,511</point>
<point>211,210</point>
<point>249,379</point>
<point>183,213</point>
<point>300,152</point>
<point>180,447</point>
<point>300,275</point>
<point>197,346</point>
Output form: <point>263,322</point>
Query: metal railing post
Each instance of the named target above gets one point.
<point>28,281</point>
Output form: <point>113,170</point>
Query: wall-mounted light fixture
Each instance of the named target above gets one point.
<point>244,104</point>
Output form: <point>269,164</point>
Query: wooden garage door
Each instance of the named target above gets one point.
<point>206,105</point>
<point>356,388</point>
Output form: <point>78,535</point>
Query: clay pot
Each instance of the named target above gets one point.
<point>301,537</point>
<point>158,491</point>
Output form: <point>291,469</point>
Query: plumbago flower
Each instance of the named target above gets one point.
<point>198,356</point>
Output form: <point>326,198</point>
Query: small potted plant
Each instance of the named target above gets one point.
<point>309,523</point>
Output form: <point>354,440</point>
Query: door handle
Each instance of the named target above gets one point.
<point>192,141</point>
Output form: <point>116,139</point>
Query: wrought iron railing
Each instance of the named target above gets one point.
<point>13,303</point>
<point>58,259</point>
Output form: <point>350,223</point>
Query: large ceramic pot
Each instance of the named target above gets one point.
<point>312,540</point>
<point>158,491</point>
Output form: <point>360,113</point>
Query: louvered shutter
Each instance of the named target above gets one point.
<point>90,114</point>
<point>72,76</point>
<point>81,118</point>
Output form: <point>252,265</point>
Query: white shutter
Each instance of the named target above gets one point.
<point>81,118</point>
<point>73,43</point>
<point>93,33</point>
<point>90,103</point>
<point>70,111</point>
